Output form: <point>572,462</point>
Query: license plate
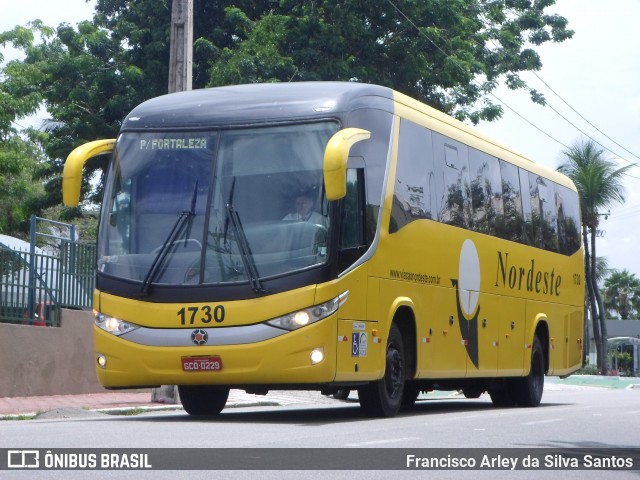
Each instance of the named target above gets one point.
<point>201,364</point>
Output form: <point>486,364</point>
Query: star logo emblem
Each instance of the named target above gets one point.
<point>199,336</point>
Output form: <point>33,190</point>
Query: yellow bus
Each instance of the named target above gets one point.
<point>328,236</point>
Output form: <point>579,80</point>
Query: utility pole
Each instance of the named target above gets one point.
<point>181,52</point>
<point>180,75</point>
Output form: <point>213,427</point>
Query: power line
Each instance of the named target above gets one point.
<point>527,120</point>
<point>578,113</point>
<point>547,104</point>
<point>474,80</point>
<point>583,118</point>
<point>400,12</point>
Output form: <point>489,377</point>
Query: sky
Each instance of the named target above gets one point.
<point>596,74</point>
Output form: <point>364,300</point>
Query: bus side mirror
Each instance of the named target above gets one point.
<point>72,173</point>
<point>335,160</point>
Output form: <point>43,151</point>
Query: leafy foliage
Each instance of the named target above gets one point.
<point>598,180</point>
<point>20,192</point>
<point>448,53</point>
<point>622,294</point>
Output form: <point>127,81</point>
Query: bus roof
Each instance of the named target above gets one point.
<point>261,103</point>
<point>256,103</point>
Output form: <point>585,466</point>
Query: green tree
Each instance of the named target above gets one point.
<point>622,294</point>
<point>450,54</point>
<point>80,78</point>
<point>21,194</point>
<point>599,184</point>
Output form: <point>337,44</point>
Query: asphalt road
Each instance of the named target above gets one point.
<point>569,417</point>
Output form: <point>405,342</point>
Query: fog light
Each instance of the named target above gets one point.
<point>317,355</point>
<point>102,361</point>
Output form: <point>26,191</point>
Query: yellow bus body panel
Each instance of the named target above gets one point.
<point>520,290</point>
<point>281,360</point>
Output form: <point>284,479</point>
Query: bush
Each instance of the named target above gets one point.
<point>588,370</point>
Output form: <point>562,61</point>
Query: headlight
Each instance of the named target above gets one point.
<point>301,318</point>
<point>114,325</point>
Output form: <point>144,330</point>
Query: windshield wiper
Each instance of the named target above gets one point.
<point>245,251</point>
<point>243,245</point>
<point>185,219</point>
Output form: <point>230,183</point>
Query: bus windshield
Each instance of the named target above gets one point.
<point>202,207</point>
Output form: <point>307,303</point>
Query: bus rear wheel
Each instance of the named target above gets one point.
<point>203,399</point>
<point>472,392</point>
<point>502,395</point>
<point>342,394</point>
<point>383,397</point>
<point>528,390</point>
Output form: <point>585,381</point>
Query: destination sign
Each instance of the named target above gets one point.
<point>173,143</point>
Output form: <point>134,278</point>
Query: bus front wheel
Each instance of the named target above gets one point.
<point>203,399</point>
<point>383,397</point>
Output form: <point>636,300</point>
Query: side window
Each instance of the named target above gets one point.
<point>353,214</point>
<point>534,199</point>
<point>120,235</point>
<point>509,225</point>
<point>549,222</point>
<point>527,226</point>
<point>375,152</point>
<point>568,211</point>
<point>486,192</point>
<point>413,195</point>
<point>454,188</point>
<point>543,213</point>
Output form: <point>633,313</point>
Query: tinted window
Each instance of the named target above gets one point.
<point>486,192</point>
<point>413,196</point>
<point>568,210</point>
<point>548,220</point>
<point>509,225</point>
<point>543,213</point>
<point>376,151</point>
<point>471,189</point>
<point>452,186</point>
<point>527,214</point>
<point>352,220</point>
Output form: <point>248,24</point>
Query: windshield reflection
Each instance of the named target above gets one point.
<point>270,179</point>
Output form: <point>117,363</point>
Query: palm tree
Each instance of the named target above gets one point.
<point>622,293</point>
<point>602,269</point>
<point>599,184</point>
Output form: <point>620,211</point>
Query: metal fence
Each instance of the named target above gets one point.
<point>34,286</point>
<point>77,274</point>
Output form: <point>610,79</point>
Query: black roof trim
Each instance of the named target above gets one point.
<point>255,104</point>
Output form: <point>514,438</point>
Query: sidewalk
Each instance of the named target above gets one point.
<point>109,401</point>
<point>597,381</point>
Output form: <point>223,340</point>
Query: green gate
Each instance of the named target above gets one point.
<point>35,284</point>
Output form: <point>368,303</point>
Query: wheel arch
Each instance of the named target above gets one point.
<point>402,313</point>
<point>541,330</point>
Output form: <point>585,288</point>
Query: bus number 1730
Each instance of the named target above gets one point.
<point>203,314</point>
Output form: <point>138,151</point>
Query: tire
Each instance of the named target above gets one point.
<point>501,396</point>
<point>471,392</point>
<point>383,397</point>
<point>203,399</point>
<point>342,394</point>
<point>410,395</point>
<point>527,391</point>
